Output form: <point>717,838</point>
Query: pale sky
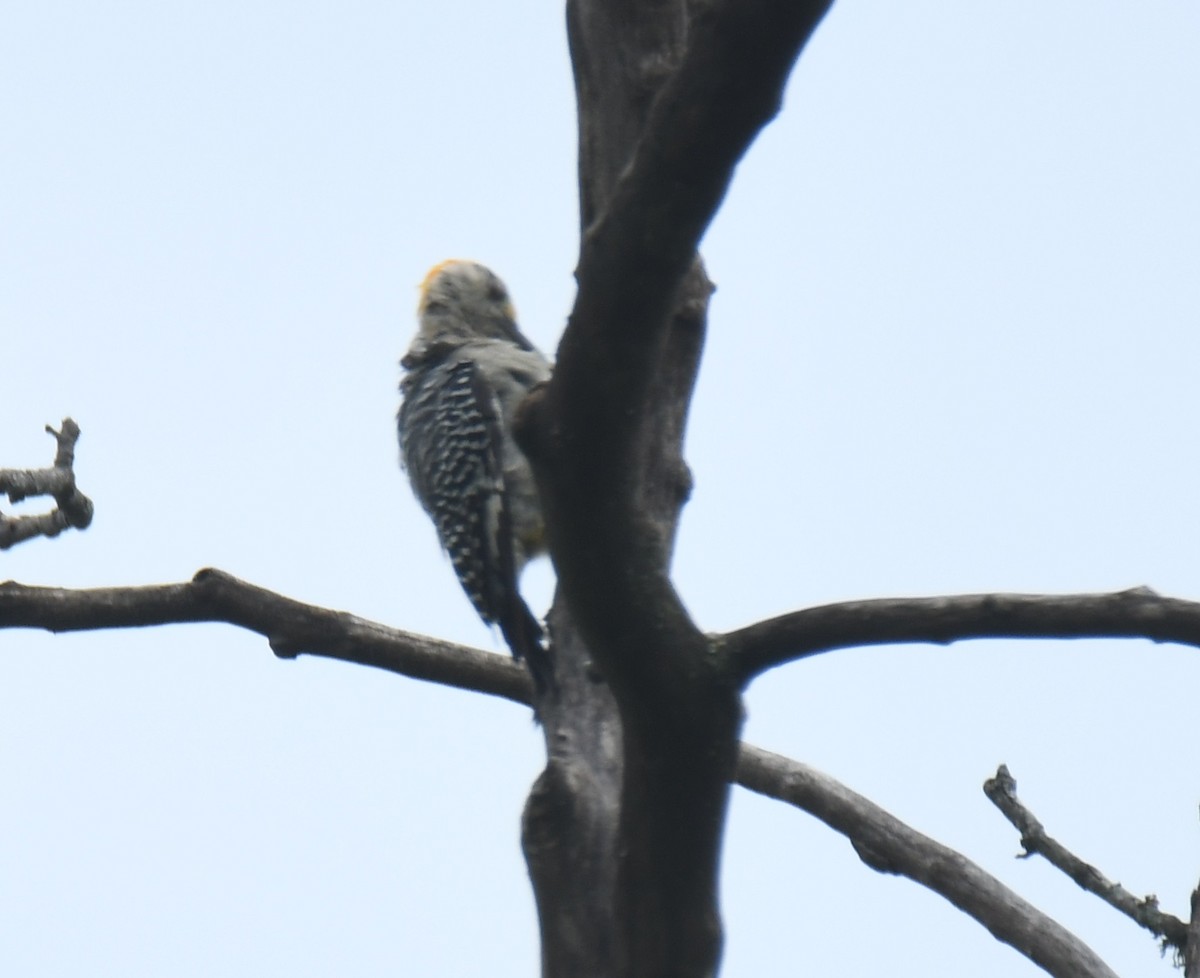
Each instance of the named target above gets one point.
<point>953,349</point>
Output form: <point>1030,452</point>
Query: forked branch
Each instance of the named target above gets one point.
<point>72,508</point>
<point>593,440</point>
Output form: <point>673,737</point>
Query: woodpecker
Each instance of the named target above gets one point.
<point>466,372</point>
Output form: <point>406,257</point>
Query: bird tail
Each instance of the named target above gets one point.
<point>524,635</point>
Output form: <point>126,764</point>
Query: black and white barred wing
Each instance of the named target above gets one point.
<point>451,443</point>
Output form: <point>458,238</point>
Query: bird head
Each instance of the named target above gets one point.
<point>461,302</point>
<point>468,291</point>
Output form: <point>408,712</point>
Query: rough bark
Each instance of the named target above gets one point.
<point>1191,954</point>
<point>670,95</point>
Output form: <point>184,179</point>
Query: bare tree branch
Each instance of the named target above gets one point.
<point>72,508</point>
<point>1002,791</point>
<point>293,628</point>
<point>887,845</point>
<point>1136,613</point>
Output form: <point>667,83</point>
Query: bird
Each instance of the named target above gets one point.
<point>466,372</point>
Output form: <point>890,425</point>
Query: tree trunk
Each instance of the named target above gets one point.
<point>622,831</point>
<point>618,885</point>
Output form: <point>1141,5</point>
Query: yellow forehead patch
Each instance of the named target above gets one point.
<point>430,276</point>
<point>436,271</point>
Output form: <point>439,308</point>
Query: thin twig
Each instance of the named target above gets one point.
<point>1002,791</point>
<point>887,845</point>
<point>72,508</point>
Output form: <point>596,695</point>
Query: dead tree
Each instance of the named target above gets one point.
<point>622,830</point>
